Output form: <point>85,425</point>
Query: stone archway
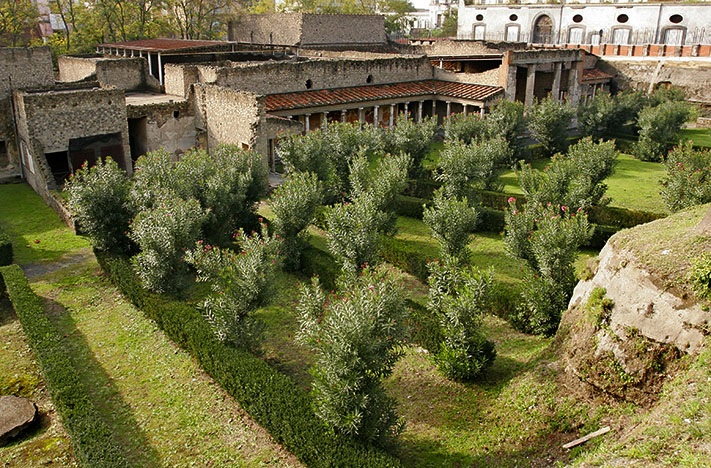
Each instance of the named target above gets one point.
<point>543,30</point>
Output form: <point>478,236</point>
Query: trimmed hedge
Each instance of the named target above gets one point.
<point>5,249</point>
<point>621,217</point>
<point>406,257</point>
<point>412,207</point>
<point>315,261</point>
<point>93,442</point>
<point>269,396</point>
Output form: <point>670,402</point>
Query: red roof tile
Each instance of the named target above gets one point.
<point>164,45</point>
<point>329,97</point>
<point>593,74</point>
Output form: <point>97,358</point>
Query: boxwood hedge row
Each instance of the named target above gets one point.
<point>94,444</point>
<point>270,397</point>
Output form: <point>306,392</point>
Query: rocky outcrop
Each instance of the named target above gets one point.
<point>629,322</point>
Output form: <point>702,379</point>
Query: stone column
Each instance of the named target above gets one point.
<point>555,91</point>
<point>419,111</point>
<point>434,107</point>
<point>392,115</point>
<point>481,111</point>
<point>464,109</point>
<point>307,122</point>
<point>360,115</point>
<point>343,115</point>
<point>375,116</point>
<point>406,111</point>
<point>150,64</point>
<point>324,119</point>
<point>573,85</point>
<point>160,69</point>
<point>530,84</point>
<point>510,91</point>
<point>449,109</point>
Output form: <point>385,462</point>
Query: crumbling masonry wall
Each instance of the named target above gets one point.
<point>122,73</point>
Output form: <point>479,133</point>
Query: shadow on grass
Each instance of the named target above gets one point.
<point>103,393</point>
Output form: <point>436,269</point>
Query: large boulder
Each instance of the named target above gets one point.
<point>635,315</point>
<point>16,415</point>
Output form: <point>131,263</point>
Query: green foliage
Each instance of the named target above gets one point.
<point>240,283</point>
<point>412,207</point>
<point>407,257</point>
<point>547,238</point>
<point>357,339</point>
<point>700,276</point>
<point>466,128</point>
<point>100,204</point>
<point>5,249</point>
<point>164,233</point>
<point>688,178</point>
<point>226,183</point>
<point>93,442</point>
<point>459,297</point>
<point>451,220</point>
<point>270,397</point>
<point>659,127</point>
<point>408,137</point>
<point>16,19</point>
<point>506,120</point>
<point>328,153</point>
<point>463,167</point>
<point>548,122</point>
<point>294,204</point>
<point>355,228</point>
<point>600,116</point>
<point>575,180</point>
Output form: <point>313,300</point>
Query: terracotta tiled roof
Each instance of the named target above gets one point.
<point>329,97</point>
<point>164,45</point>
<point>593,74</point>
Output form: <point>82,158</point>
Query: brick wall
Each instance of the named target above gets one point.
<point>324,30</point>
<point>22,68</point>
<point>276,28</point>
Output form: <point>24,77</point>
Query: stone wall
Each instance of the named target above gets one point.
<point>177,79</point>
<point>169,126</point>
<point>693,76</point>
<point>232,117</point>
<point>121,73</point>
<point>48,120</point>
<point>309,30</point>
<point>327,30</point>
<point>23,68</point>
<point>272,78</point>
<point>275,28</point>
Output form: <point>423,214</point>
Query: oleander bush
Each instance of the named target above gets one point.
<point>270,397</point>
<point>688,178</point>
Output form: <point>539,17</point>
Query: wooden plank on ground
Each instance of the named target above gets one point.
<point>584,439</point>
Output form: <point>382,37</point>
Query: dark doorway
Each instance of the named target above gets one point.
<point>59,165</point>
<point>89,149</point>
<point>138,137</point>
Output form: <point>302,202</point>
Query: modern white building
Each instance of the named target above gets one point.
<point>586,23</point>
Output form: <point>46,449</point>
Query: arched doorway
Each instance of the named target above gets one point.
<point>543,30</point>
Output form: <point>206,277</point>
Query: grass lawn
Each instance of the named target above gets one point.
<point>700,136</point>
<point>158,403</point>
<point>634,184</point>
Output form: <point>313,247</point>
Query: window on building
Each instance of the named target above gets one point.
<point>479,32</point>
<point>543,30</point>
<point>512,33</point>
<point>621,36</point>
<point>575,35</point>
<point>673,36</point>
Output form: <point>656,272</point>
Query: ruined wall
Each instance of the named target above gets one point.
<point>309,30</point>
<point>232,117</point>
<point>324,30</point>
<point>274,28</point>
<point>121,73</point>
<point>169,126</point>
<point>177,79</point>
<point>48,120</point>
<point>20,68</point>
<point>490,77</point>
<point>272,78</point>
<point>693,76</point>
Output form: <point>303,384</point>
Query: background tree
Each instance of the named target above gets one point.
<point>411,138</point>
<point>463,168</point>
<point>688,178</point>
<point>199,19</point>
<point>357,338</point>
<point>548,122</point>
<point>506,121</point>
<point>459,298</point>
<point>18,18</point>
